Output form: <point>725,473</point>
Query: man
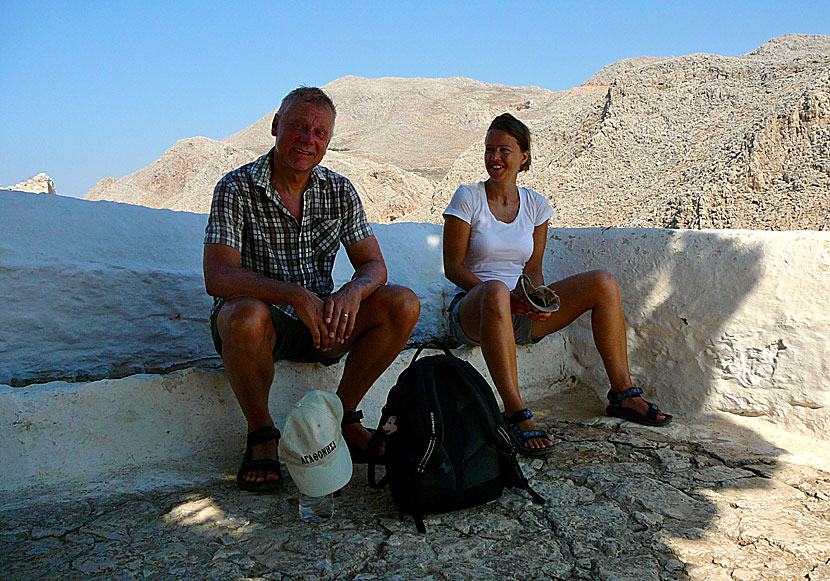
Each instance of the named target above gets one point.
<point>275,226</point>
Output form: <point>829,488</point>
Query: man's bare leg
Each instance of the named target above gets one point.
<point>383,326</point>
<point>248,340</point>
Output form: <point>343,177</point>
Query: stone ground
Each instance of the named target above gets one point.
<point>624,502</point>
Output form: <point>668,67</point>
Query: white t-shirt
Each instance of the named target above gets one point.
<point>497,250</point>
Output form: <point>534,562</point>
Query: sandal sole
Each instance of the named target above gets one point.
<point>630,415</point>
<point>535,452</point>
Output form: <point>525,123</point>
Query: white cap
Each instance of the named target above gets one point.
<point>312,444</point>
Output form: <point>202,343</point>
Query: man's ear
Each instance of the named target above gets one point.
<point>274,124</point>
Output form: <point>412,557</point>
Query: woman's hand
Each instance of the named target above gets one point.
<point>519,306</point>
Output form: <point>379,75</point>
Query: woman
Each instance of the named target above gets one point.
<point>494,232</point>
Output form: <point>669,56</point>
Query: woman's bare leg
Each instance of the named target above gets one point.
<point>485,317</point>
<point>596,291</point>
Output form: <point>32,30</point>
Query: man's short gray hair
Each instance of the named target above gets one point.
<point>312,95</point>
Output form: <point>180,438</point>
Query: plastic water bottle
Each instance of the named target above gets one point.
<point>316,508</point>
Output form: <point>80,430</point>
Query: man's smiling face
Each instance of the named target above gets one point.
<point>303,133</point>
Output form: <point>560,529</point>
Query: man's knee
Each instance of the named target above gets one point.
<point>401,304</point>
<point>244,321</point>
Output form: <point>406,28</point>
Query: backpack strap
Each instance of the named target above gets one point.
<point>436,344</point>
<point>373,448</point>
<point>517,478</point>
<point>419,522</point>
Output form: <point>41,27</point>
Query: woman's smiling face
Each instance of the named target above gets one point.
<point>503,158</point>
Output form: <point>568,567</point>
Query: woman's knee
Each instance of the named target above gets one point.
<point>605,283</point>
<point>494,298</point>
<point>244,320</point>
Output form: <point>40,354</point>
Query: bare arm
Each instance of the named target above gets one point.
<point>226,278</point>
<point>533,267</point>
<point>341,308</point>
<point>456,241</point>
<point>369,266</point>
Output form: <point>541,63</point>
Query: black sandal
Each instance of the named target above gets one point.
<point>260,436</point>
<point>358,454</point>
<point>521,437</point>
<point>614,409</point>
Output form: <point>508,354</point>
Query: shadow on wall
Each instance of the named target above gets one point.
<point>694,347</point>
<point>684,295</point>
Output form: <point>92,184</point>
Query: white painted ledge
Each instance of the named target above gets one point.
<point>720,322</point>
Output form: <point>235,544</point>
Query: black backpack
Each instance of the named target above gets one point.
<point>447,445</point>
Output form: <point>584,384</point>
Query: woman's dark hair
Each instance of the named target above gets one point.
<point>512,126</point>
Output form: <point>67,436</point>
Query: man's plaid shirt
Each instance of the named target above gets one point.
<point>248,214</point>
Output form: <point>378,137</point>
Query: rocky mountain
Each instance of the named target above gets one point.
<point>697,141</point>
<point>39,184</point>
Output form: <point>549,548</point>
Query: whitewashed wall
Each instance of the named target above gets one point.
<point>98,289</point>
<point>727,321</point>
<point>735,321</point>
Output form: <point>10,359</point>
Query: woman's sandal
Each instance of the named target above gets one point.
<point>260,436</point>
<point>521,437</point>
<point>615,409</point>
<point>358,454</point>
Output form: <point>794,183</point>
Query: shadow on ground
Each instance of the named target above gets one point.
<point>624,502</point>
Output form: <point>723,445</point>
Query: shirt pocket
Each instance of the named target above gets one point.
<point>325,236</point>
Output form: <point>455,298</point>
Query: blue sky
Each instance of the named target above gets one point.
<point>98,89</point>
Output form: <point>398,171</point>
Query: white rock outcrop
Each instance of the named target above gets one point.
<point>39,184</point>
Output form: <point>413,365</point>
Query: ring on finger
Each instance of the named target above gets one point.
<point>346,315</point>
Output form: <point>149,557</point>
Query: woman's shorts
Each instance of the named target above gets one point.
<point>521,325</point>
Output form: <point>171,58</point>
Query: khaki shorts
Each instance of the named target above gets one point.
<point>294,341</point>
<point>521,325</point>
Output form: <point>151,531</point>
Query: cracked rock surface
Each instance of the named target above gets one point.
<point>624,502</point>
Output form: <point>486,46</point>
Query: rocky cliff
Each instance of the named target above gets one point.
<point>698,141</point>
<point>39,184</point>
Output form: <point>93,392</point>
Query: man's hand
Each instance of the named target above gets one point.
<point>340,312</point>
<point>309,309</point>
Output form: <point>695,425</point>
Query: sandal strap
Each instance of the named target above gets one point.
<point>519,416</point>
<point>533,434</point>
<point>522,437</point>
<point>653,411</point>
<point>264,434</point>
<point>616,398</point>
<point>351,417</point>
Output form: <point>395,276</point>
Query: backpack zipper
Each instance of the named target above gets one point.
<point>422,465</point>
